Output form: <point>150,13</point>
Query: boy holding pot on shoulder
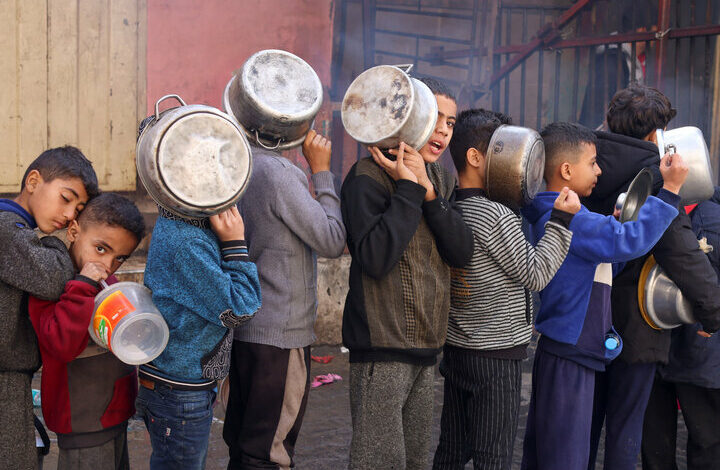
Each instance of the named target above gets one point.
<point>404,235</point>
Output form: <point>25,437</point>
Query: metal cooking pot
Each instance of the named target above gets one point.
<point>661,303</point>
<point>193,159</point>
<point>515,164</point>
<point>690,143</point>
<point>385,106</point>
<point>630,202</point>
<point>275,97</point>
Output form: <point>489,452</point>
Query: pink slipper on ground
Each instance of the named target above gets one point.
<point>324,380</point>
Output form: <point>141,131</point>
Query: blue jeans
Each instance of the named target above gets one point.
<point>179,423</point>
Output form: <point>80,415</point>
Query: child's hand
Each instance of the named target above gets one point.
<point>397,169</point>
<point>674,171</point>
<point>567,201</point>
<point>416,163</point>
<point>317,150</point>
<point>228,225</point>
<point>95,271</point>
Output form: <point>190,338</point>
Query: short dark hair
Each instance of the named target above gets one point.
<point>116,210</point>
<point>561,139</point>
<point>638,110</point>
<point>438,88</point>
<point>473,129</point>
<point>65,162</point>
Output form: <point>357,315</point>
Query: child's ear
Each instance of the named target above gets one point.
<point>33,180</point>
<point>475,158</point>
<point>565,171</point>
<point>73,230</point>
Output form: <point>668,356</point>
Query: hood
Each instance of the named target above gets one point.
<point>9,205</point>
<point>541,205</point>
<point>621,158</point>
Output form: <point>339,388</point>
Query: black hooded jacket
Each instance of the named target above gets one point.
<point>620,158</point>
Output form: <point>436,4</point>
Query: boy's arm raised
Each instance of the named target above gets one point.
<point>533,267</point>
<point>39,266</point>
<point>62,327</point>
<point>380,225</point>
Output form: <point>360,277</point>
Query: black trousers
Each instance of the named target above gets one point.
<point>480,411</point>
<point>701,412</point>
<point>268,394</point>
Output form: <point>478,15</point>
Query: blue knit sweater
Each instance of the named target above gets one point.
<point>202,292</point>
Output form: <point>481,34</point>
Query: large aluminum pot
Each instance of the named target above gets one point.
<point>661,303</point>
<point>275,97</point>
<point>515,164</point>
<point>385,106</point>
<point>690,143</point>
<point>193,159</point>
<point>631,201</point>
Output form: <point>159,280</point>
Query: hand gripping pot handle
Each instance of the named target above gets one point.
<point>157,104</point>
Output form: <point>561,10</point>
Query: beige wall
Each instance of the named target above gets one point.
<point>72,72</point>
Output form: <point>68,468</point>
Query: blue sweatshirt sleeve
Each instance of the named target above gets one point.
<point>602,239</point>
<point>224,290</point>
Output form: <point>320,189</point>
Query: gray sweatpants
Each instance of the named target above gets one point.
<point>391,404</point>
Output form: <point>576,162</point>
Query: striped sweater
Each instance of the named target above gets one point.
<point>490,307</point>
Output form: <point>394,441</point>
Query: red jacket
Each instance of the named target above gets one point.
<point>83,394</point>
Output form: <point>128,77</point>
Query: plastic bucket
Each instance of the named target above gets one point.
<point>126,322</point>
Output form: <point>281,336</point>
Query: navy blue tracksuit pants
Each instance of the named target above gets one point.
<point>560,414</point>
<point>621,396</point>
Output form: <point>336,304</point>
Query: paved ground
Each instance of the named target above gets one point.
<point>325,436</point>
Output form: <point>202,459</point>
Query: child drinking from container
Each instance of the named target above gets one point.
<point>54,190</point>
<point>490,320</point>
<point>88,395</point>
<point>575,323</point>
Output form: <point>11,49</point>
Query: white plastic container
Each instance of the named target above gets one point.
<point>126,322</point>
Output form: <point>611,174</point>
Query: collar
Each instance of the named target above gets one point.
<point>464,193</point>
<point>195,222</point>
<point>9,205</point>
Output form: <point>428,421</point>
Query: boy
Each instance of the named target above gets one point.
<point>622,391</point>
<point>490,314</point>
<point>404,234</point>
<point>88,394</point>
<point>287,229</point>
<point>577,337</point>
<point>691,379</point>
<point>54,190</point>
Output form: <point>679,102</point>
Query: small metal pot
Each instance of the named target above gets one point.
<point>275,97</point>
<point>515,164</point>
<point>661,303</point>
<point>385,106</point>
<point>193,159</point>
<point>690,143</point>
<point>630,202</point>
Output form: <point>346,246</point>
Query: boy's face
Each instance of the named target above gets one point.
<point>108,245</point>
<point>53,204</point>
<point>583,174</point>
<point>440,138</point>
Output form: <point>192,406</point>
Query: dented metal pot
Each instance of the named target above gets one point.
<point>193,159</point>
<point>275,97</point>
<point>385,106</point>
<point>515,164</point>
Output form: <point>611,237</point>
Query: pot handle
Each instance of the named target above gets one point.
<point>405,67</point>
<point>157,105</point>
<point>257,139</point>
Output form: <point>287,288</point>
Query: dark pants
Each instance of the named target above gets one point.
<point>268,394</point>
<point>621,395</point>
<point>480,411</point>
<point>560,414</point>
<point>701,412</point>
<point>17,429</point>
<point>179,423</point>
<point>113,454</point>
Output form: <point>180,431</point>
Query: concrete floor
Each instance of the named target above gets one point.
<point>325,436</point>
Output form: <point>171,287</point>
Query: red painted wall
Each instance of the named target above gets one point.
<point>194,46</point>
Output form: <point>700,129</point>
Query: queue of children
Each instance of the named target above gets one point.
<point>436,267</point>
